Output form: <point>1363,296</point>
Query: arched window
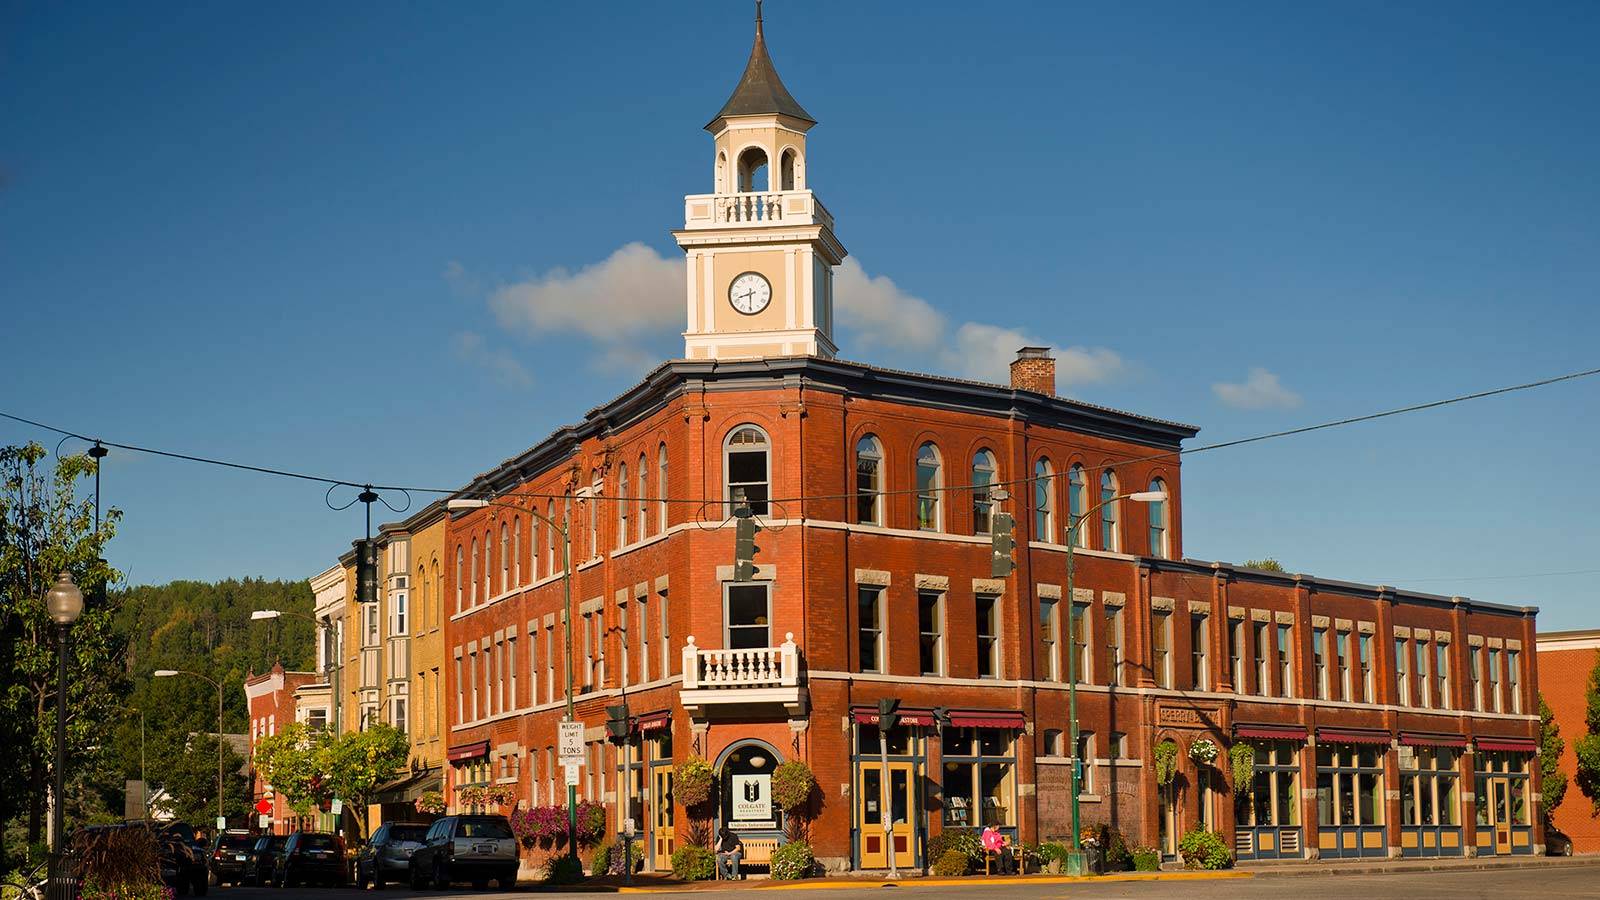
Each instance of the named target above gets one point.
<point>749,473</point>
<point>661,486</point>
<point>869,481</point>
<point>422,588</point>
<point>930,480</point>
<point>535,549</point>
<point>551,535</point>
<point>624,504</point>
<point>1110,535</point>
<point>753,167</point>
<point>722,172</point>
<point>1044,506</point>
<point>1158,522</point>
<point>984,473</point>
<point>644,505</point>
<point>488,560</point>
<point>473,601</point>
<point>786,169</point>
<point>505,557</point>
<point>1077,502</point>
<point>459,567</point>
<point>516,552</point>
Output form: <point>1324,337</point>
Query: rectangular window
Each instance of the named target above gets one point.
<point>1319,661</point>
<point>1342,652</point>
<point>666,635</point>
<point>1199,671</point>
<point>747,614</point>
<point>1161,657</point>
<point>1441,674</point>
<point>1402,678</point>
<point>988,609</point>
<point>586,683</point>
<point>1475,672</point>
<point>644,635</point>
<point>1118,748</point>
<point>1364,651</point>
<point>869,602</point>
<point>533,666</point>
<point>398,713</point>
<point>397,612</point>
<point>550,664</point>
<point>1114,643</point>
<point>1424,680</point>
<point>930,625</point>
<point>1086,753</point>
<point>472,666</point>
<point>622,642</point>
<point>1495,701</point>
<point>1050,636</point>
<point>1285,663</point>
<point>511,671</point>
<point>1078,630</point>
<point>1236,639</point>
<point>1263,651</point>
<point>1514,679</point>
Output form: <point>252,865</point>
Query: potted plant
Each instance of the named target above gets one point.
<point>1243,760</point>
<point>1166,754</point>
<point>431,802</point>
<point>1204,751</point>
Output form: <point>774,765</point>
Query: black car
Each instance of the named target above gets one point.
<point>230,856</point>
<point>183,862</point>
<point>262,856</point>
<point>1556,843</point>
<point>309,856</point>
<point>387,857</point>
<point>466,848</point>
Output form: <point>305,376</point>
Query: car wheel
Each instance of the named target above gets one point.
<point>213,880</point>
<point>441,878</point>
<point>508,881</point>
<point>200,885</point>
<point>415,876</point>
<point>1567,849</point>
<point>377,876</point>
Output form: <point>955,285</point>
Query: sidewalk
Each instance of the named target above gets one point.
<point>1299,868</point>
<point>667,885</point>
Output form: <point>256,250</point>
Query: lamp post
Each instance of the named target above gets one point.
<point>1075,863</point>
<point>64,603</point>
<point>563,528</point>
<point>168,673</point>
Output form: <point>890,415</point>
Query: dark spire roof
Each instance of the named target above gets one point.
<point>760,90</point>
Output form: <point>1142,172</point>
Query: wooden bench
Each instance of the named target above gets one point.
<point>758,852</point>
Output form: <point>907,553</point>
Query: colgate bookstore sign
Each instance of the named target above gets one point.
<point>752,800</point>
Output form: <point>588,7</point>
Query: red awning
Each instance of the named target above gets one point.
<point>1333,736</point>
<point>868,715</point>
<point>1433,740</point>
<point>1003,718</point>
<point>468,751</point>
<point>1511,744</point>
<point>1271,732</point>
<point>654,721</point>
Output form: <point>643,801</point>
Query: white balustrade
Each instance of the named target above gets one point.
<point>754,667</point>
<point>754,208</point>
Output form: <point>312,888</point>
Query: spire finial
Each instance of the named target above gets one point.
<point>758,18</point>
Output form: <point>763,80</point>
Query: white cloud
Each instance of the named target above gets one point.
<point>1260,390</point>
<point>470,347</point>
<point>984,352</point>
<point>633,291</point>
<point>879,313</point>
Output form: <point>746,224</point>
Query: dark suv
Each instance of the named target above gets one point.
<point>387,857</point>
<point>230,856</point>
<point>183,862</point>
<point>258,868</point>
<point>309,856</point>
<point>466,848</point>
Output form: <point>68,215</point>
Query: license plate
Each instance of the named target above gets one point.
<point>239,856</point>
<point>486,848</point>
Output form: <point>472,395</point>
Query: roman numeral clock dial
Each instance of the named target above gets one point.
<point>750,293</point>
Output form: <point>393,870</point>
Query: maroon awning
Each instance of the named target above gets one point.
<point>868,715</point>
<point>468,751</point>
<point>1270,732</point>
<point>978,718</point>
<point>655,721</point>
<point>1336,736</point>
<point>1452,741</point>
<point>1511,744</point>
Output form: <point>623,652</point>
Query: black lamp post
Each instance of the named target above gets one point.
<point>64,603</point>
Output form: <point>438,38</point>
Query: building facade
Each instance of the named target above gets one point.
<point>1567,660</point>
<point>272,703</point>
<point>1379,721</point>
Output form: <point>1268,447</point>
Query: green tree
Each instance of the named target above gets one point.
<point>186,774</point>
<point>46,528</point>
<point>1265,564</point>
<point>1587,748</point>
<point>1552,781</point>
<point>359,762</point>
<point>291,761</point>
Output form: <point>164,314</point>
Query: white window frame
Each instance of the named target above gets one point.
<point>934,493</point>
<point>765,447</point>
<point>869,448</point>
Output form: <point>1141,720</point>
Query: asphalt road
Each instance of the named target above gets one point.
<point>1555,882</point>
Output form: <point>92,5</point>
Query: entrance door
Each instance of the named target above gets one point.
<point>661,816</point>
<point>1499,818</point>
<point>874,851</point>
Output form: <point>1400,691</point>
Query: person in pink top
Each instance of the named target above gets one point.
<point>994,842</point>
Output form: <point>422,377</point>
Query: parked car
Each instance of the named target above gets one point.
<point>1556,843</point>
<point>387,857</point>
<point>466,848</point>
<point>309,856</point>
<point>183,862</point>
<point>230,856</point>
<point>258,868</point>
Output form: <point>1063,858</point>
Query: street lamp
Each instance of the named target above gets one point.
<point>168,673</point>
<point>1075,864</point>
<point>330,653</point>
<point>460,504</point>
<point>64,602</point>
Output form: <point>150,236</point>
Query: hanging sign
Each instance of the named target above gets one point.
<point>265,821</point>
<point>570,741</point>
<point>571,773</point>
<point>337,809</point>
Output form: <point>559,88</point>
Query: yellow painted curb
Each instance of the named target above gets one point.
<point>866,883</point>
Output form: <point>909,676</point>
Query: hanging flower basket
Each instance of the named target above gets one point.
<point>792,785</point>
<point>691,781</point>
<point>1204,751</point>
<point>486,795</point>
<point>1243,757</point>
<point>430,802</point>
<point>1166,753</point>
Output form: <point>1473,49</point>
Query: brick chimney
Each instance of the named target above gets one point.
<point>1034,369</point>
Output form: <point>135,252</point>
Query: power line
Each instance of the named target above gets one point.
<point>1026,480</point>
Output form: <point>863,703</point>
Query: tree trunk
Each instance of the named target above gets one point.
<point>35,797</point>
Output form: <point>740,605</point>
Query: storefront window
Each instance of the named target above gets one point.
<point>867,740</point>
<point>747,789</point>
<point>1349,785</point>
<point>1511,803</point>
<point>978,783</point>
<point>1272,798</point>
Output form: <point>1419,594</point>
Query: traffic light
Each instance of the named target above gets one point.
<point>366,570</point>
<point>744,545</point>
<point>617,723</point>
<point>888,714</point>
<point>941,717</point>
<point>1001,538</point>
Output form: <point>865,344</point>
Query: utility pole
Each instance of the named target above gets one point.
<point>888,717</point>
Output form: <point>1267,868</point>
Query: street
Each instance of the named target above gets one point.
<point>1557,881</point>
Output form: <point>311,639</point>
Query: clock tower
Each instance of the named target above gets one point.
<point>760,248</point>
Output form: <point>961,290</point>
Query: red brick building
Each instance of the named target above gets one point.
<point>1566,659</point>
<point>1383,722</point>
<point>271,701</point>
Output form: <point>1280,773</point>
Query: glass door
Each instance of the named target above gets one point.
<point>870,801</point>
<point>661,832</point>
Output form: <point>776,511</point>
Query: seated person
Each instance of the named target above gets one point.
<point>729,851</point>
<point>997,845</point>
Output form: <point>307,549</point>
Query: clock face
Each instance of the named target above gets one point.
<point>750,293</point>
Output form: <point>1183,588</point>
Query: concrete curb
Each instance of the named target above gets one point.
<point>1319,869</point>
<point>969,881</point>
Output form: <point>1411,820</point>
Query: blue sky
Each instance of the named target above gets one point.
<point>347,240</point>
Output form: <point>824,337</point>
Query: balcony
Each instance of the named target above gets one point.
<point>742,678</point>
<point>795,208</point>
